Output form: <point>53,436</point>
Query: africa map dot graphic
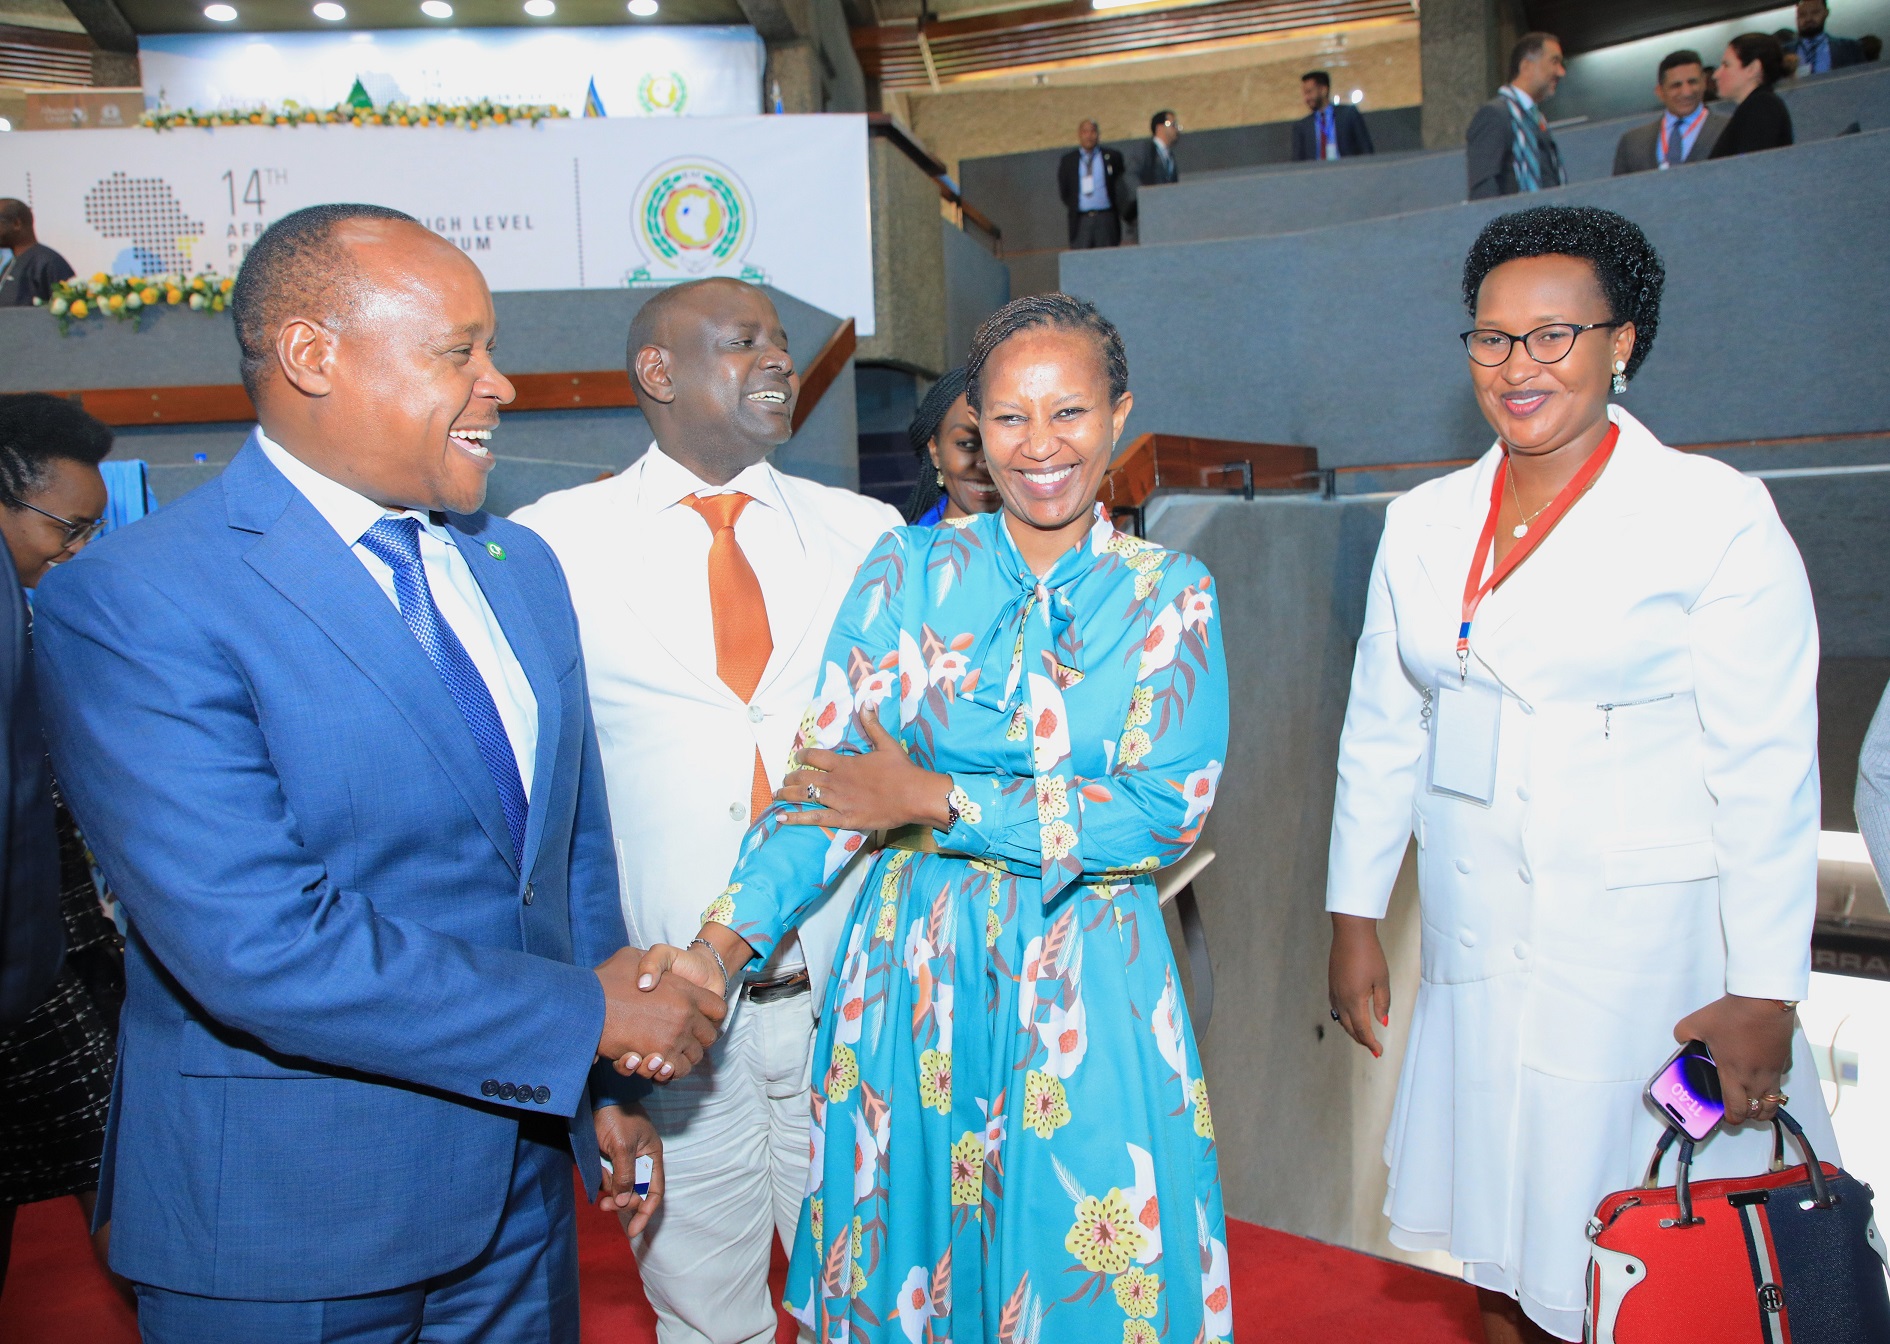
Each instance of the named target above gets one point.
<point>143,210</point>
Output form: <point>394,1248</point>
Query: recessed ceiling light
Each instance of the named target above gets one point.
<point>332,12</point>
<point>540,9</point>
<point>1358,95</point>
<point>220,13</point>
<point>642,8</point>
<point>436,9</point>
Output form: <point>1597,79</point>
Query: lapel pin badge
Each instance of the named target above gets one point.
<point>496,551</point>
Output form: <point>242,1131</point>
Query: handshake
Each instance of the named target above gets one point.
<point>662,1010</point>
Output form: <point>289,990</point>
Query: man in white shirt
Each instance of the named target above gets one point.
<point>705,582</point>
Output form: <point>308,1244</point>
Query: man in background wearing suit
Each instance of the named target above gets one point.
<point>1508,148</point>
<point>1157,167</point>
<point>1685,133</point>
<point>705,583</point>
<point>1818,51</point>
<point>1331,130</point>
<point>1089,179</point>
<point>324,725</point>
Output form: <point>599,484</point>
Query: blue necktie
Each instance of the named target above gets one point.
<point>396,541</point>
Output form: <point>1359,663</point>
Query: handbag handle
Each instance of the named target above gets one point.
<point>1821,1196</point>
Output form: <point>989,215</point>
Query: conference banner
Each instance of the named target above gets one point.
<point>586,203</point>
<point>634,72</point>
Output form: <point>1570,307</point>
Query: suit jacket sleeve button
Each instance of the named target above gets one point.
<point>507,1091</point>
<point>541,1095</point>
<point>489,1088</point>
<point>525,1093</point>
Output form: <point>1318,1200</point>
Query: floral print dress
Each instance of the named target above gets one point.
<point>1011,1140</point>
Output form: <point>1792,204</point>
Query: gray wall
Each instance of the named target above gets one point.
<point>539,332</point>
<point>1345,338</point>
<point>1303,1154</point>
<point>1242,205</point>
<point>977,284</point>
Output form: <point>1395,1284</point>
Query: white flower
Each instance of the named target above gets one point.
<point>868,1147</point>
<point>1169,1040</point>
<point>913,1306</point>
<point>1217,1293</point>
<point>816,1146</point>
<point>1049,725</point>
<point>844,846</point>
<point>949,666</point>
<point>874,689</point>
<point>826,721</point>
<point>913,678</point>
<point>853,997</point>
<point>1199,789</point>
<point>1143,1204</point>
<point>1197,609</point>
<point>1066,1036</point>
<point>1164,636</point>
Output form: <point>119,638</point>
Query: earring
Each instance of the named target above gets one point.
<point>1620,377</point>
<point>941,478</point>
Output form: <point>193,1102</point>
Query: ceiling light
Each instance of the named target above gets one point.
<point>540,9</point>
<point>5,125</point>
<point>1358,95</point>
<point>436,9</point>
<point>332,12</point>
<point>220,13</point>
<point>643,9</point>
<point>1114,4</point>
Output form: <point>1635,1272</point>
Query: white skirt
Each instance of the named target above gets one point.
<point>1501,1165</point>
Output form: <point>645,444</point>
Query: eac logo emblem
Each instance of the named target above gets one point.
<point>692,218</point>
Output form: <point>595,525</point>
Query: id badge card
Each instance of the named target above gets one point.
<point>1089,184</point>
<point>1464,722</point>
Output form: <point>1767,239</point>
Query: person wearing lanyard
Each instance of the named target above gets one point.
<point>1086,180</point>
<point>1329,130</point>
<point>1586,685</point>
<point>1686,130</point>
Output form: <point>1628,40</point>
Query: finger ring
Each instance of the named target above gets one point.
<point>1335,1014</point>
<point>1752,1105</point>
<point>813,793</point>
<point>1776,1098</point>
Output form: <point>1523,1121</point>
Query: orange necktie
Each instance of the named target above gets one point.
<point>742,642</point>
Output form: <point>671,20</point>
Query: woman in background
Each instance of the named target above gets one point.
<point>1609,762</point>
<point>953,480</point>
<point>1753,63</point>
<point>56,1067</point>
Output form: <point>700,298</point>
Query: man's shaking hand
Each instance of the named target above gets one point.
<point>661,1032</point>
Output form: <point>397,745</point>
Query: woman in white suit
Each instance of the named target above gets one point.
<point>1609,763</point>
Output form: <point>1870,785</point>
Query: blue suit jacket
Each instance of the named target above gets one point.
<point>333,962</point>
<point>32,933</point>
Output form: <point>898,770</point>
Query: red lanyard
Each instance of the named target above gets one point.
<point>1473,591</point>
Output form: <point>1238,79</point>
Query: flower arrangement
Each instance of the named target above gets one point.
<point>466,116</point>
<point>126,296</point>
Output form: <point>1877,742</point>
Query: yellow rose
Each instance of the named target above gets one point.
<point>149,294</point>
<point>116,303</point>
<point>101,279</point>
<point>78,308</point>
<point>173,295</point>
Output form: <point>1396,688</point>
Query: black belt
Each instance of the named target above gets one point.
<point>768,991</point>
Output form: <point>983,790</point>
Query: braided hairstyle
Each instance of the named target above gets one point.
<point>924,426</point>
<point>1626,265</point>
<point>1046,310</point>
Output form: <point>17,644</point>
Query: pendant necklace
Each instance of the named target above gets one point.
<point>1521,529</point>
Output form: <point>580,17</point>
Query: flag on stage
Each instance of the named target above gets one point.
<point>358,97</point>
<point>593,105</point>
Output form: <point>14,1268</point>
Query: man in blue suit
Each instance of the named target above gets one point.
<point>325,726</point>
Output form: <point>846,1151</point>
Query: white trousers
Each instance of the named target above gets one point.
<point>735,1153</point>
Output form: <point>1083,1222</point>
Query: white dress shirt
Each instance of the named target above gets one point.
<point>455,592</point>
<point>775,551</point>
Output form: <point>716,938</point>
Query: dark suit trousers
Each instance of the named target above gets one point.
<point>523,1286</point>
<point>1097,228</point>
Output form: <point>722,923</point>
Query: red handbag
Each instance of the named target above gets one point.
<point>1790,1257</point>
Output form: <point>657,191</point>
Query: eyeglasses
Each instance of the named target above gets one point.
<point>78,530</point>
<point>1546,345</point>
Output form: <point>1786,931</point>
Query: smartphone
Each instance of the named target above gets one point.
<point>1686,1091</point>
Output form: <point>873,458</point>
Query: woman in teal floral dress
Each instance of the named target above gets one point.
<point>1011,1141</point>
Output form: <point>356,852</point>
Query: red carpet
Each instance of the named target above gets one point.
<point>1287,1290</point>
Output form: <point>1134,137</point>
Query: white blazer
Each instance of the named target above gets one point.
<point>678,746</point>
<point>1652,843</point>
